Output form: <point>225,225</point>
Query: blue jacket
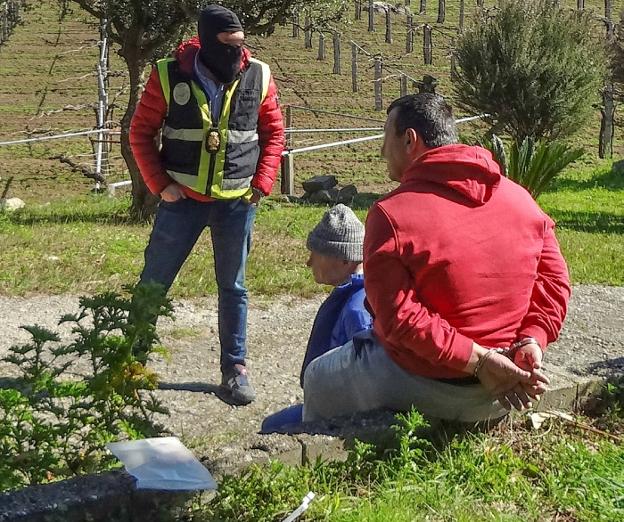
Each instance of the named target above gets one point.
<point>338,319</point>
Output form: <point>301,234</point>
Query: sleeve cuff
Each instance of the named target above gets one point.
<point>461,351</point>
<point>156,186</point>
<point>259,189</point>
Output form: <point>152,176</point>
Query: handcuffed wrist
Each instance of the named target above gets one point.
<point>525,341</point>
<point>484,358</point>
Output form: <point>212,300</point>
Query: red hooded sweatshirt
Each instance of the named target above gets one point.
<point>456,254</point>
<point>152,109</point>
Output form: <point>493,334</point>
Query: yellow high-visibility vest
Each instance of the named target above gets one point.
<point>218,159</point>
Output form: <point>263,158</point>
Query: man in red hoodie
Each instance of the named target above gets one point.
<point>464,278</point>
<point>222,138</point>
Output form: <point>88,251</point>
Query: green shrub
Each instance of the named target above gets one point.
<point>52,425</point>
<point>533,164</point>
<point>533,67</point>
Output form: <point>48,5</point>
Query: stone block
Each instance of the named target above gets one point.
<point>346,194</point>
<point>11,204</point>
<point>106,497</point>
<point>319,183</point>
<point>324,196</point>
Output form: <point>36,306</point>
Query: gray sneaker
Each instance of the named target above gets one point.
<point>236,383</point>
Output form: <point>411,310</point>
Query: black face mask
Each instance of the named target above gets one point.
<point>223,60</point>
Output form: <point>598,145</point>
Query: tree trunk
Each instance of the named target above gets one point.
<point>462,9</point>
<point>354,54</point>
<point>307,33</point>
<point>337,59</point>
<point>441,11</point>
<point>427,51</point>
<point>605,145</point>
<point>321,47</point>
<point>388,27</point>
<point>144,202</point>
<point>378,84</point>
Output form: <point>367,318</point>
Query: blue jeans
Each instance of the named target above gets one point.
<point>176,229</point>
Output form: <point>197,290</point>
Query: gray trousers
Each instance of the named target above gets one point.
<point>358,378</point>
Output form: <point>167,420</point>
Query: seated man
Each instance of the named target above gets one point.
<point>464,279</point>
<point>335,246</point>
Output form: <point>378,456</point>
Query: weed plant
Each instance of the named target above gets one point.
<point>70,399</point>
<point>511,473</point>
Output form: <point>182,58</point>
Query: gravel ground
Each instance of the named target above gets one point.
<point>592,341</point>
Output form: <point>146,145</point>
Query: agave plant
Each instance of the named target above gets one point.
<point>534,163</point>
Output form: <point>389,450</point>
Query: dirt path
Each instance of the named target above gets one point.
<point>278,333</point>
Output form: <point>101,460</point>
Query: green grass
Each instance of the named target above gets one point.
<point>511,474</point>
<point>587,206</point>
<point>86,244</point>
<point>478,478</point>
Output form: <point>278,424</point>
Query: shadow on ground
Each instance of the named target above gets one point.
<point>611,180</point>
<point>602,222</point>
<point>200,387</point>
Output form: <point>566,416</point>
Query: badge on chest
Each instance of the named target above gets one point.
<point>213,140</point>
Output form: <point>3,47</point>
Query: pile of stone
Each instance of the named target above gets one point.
<point>324,189</point>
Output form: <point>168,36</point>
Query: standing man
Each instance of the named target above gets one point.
<point>222,139</point>
<point>464,279</point>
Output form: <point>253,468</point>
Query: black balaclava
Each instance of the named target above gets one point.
<point>223,60</point>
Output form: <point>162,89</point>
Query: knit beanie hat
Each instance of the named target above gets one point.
<point>339,234</point>
<point>215,19</point>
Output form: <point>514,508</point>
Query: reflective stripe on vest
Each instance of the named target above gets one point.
<point>187,145</point>
<point>266,76</point>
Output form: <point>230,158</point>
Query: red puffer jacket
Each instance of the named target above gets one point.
<point>152,109</point>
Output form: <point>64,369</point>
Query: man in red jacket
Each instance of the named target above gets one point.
<point>464,278</point>
<point>222,138</point>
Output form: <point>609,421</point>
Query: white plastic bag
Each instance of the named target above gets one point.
<point>162,463</point>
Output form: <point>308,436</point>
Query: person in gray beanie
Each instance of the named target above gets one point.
<point>339,235</point>
<point>336,253</point>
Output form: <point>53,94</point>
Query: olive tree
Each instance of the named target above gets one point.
<point>146,30</point>
<point>534,68</point>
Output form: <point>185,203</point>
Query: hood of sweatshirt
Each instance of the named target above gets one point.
<point>186,51</point>
<point>470,171</point>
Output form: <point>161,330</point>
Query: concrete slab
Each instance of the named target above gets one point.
<point>107,497</point>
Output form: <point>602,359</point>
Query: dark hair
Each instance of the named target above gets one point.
<point>429,115</point>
